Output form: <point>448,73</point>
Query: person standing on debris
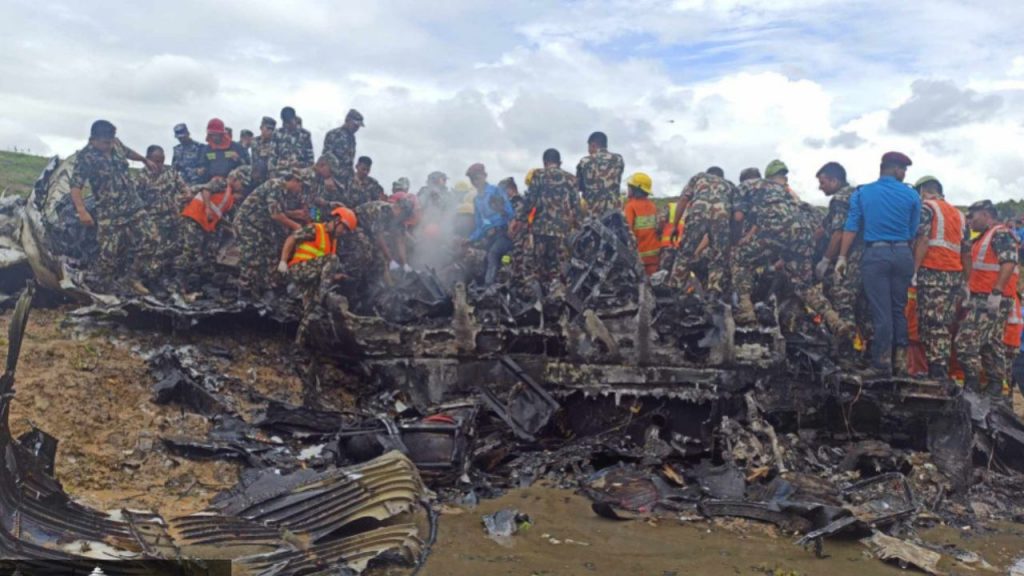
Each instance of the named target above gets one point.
<point>492,214</point>
<point>938,271</point>
<point>362,187</point>
<point>221,155</point>
<point>846,292</point>
<point>187,158</point>
<point>293,144</point>
<point>164,193</point>
<point>435,194</point>
<point>550,213</point>
<point>599,176</point>
<point>341,143</point>
<point>706,203</point>
<point>889,213</point>
<point>119,216</point>
<point>382,222</point>
<point>262,150</point>
<point>305,253</point>
<point>642,218</point>
<point>258,224</point>
<point>991,261</point>
<point>210,203</point>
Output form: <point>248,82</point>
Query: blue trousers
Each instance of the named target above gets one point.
<point>498,245</point>
<point>886,272</point>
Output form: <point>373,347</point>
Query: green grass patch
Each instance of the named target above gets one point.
<point>19,171</point>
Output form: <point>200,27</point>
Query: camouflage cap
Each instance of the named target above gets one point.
<point>354,114</point>
<point>776,167</point>
<point>436,175</point>
<point>400,184</point>
<point>332,161</point>
<point>985,205</point>
<point>269,122</point>
<point>243,174</point>
<point>245,132</point>
<point>180,130</point>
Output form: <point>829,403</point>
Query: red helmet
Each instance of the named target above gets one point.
<point>215,126</point>
<point>346,216</point>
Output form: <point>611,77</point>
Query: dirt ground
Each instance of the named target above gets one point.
<point>90,389</point>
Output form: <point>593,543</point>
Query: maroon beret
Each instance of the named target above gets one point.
<point>477,168</point>
<point>896,158</point>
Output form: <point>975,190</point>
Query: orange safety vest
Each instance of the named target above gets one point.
<point>320,246</point>
<point>642,216</point>
<point>985,266</point>
<point>947,231</point>
<point>1014,325</point>
<point>220,203</point>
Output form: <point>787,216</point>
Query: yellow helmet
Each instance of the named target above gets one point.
<point>529,176</point>
<point>462,187</point>
<point>642,181</point>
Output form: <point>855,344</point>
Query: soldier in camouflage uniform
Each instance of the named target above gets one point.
<point>779,232</point>
<point>435,194</point>
<point>187,158</point>
<point>198,258</point>
<point>259,224</point>
<point>368,247</point>
<point>293,145</point>
<point>706,203</point>
<point>993,256</point>
<point>599,177</point>
<point>552,202</point>
<point>123,225</point>
<point>164,193</point>
<point>940,274</point>
<point>261,151</point>
<point>341,143</point>
<point>362,187</point>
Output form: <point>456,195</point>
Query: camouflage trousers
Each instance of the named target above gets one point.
<point>847,295</point>
<point>126,249</point>
<point>522,268</point>
<point>258,253</point>
<point>937,292</point>
<point>601,205</point>
<point>703,219</point>
<point>307,276</point>
<point>550,254</point>
<point>164,252</point>
<point>198,250</point>
<point>360,259</point>
<point>980,340</point>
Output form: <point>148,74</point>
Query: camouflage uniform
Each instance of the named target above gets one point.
<point>599,177</point>
<point>937,292</point>
<point>122,225</point>
<point>164,194</point>
<point>198,256</point>
<point>292,147</point>
<point>847,292</point>
<point>259,236</point>
<point>708,212</point>
<point>341,143</point>
<point>433,197</point>
<point>979,343</point>
<point>362,190</point>
<point>553,194</point>
<point>376,221</point>
<point>262,150</point>
<point>187,160</point>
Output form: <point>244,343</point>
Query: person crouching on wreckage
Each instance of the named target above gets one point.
<point>306,253</point>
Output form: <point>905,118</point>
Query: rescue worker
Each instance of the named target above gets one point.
<point>716,171</point>
<point>846,292</point>
<point>599,176</point>
<point>888,212</point>
<point>938,272</point>
<point>259,222</point>
<point>401,186</point>
<point>293,145</point>
<point>549,214</point>
<point>307,251</point>
<point>379,222</point>
<point>122,225</point>
<point>991,261</point>
<point>642,218</point>
<point>341,143</point>
<point>492,214</point>
<point>362,187</point>
<point>221,154</point>
<point>706,203</point>
<point>210,203</point>
<point>262,150</point>
<point>187,157</point>
<point>435,193</point>
<point>164,192</point>
<point>749,174</point>
<point>245,140</point>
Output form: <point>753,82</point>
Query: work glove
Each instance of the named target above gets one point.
<point>393,266</point>
<point>992,303</point>
<point>406,268</point>
<point>282,267</point>
<point>841,266</point>
<point>822,268</point>
<point>913,280</point>
<point>965,295</point>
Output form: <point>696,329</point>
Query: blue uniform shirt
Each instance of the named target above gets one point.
<point>491,209</point>
<point>887,211</point>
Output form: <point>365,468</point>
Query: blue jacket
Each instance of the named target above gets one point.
<point>887,211</point>
<point>491,209</point>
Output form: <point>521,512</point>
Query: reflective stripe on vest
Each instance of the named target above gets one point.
<point>980,260</point>
<point>645,222</point>
<point>319,247</point>
<point>944,238</point>
<point>985,266</point>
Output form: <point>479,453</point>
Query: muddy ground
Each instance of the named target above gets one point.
<point>87,385</point>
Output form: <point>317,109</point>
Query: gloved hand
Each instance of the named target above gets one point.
<point>282,267</point>
<point>841,266</point>
<point>992,303</point>
<point>965,295</point>
<point>821,268</point>
<point>393,266</point>
<point>406,268</point>
<point>913,280</point>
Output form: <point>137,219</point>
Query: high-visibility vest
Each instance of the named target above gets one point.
<point>220,203</point>
<point>944,238</point>
<point>318,247</point>
<point>985,265</point>
<point>1014,325</point>
<point>642,216</point>
<point>666,230</point>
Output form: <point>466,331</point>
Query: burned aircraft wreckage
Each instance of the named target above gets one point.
<point>610,384</point>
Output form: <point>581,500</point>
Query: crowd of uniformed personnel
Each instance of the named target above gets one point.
<point>312,221</point>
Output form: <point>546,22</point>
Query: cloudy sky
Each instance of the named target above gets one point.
<point>678,86</point>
